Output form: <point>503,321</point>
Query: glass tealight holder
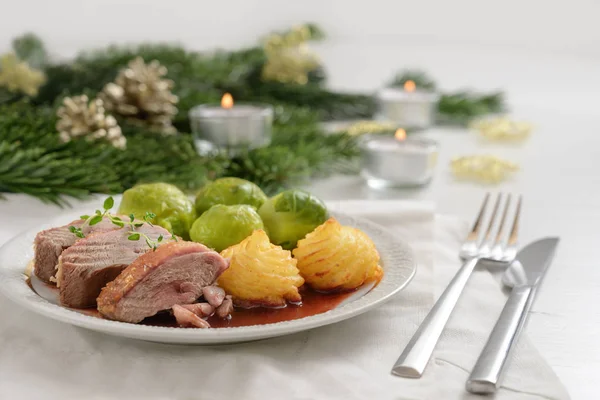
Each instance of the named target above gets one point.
<point>245,126</point>
<point>410,109</point>
<point>392,163</point>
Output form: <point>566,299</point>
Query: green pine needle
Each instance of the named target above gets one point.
<point>462,107</point>
<point>34,161</point>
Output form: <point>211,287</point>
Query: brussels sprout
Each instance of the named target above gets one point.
<point>229,191</point>
<point>174,210</point>
<point>290,215</point>
<point>223,226</point>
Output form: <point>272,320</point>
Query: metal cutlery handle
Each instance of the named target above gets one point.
<point>416,355</point>
<point>492,361</point>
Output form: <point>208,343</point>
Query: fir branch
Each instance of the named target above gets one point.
<point>272,168</point>
<point>454,108</point>
<point>50,175</point>
<point>34,161</point>
<point>328,105</point>
<point>461,107</point>
<point>202,78</point>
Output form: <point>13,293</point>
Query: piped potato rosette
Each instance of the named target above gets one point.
<point>337,258</point>
<point>260,273</point>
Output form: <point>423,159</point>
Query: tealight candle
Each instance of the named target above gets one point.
<point>398,161</point>
<point>231,127</point>
<point>409,107</point>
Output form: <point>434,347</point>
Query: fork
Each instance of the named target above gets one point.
<point>492,249</point>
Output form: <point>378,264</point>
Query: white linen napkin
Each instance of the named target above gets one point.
<point>44,359</point>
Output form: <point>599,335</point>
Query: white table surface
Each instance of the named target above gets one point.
<point>560,177</point>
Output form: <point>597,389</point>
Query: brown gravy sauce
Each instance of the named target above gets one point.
<point>312,303</point>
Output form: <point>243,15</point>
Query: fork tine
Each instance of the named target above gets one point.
<point>500,232</point>
<point>510,251</point>
<point>497,251</point>
<point>514,232</point>
<point>474,234</point>
<point>488,234</point>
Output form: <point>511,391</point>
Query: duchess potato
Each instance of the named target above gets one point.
<point>260,273</point>
<point>337,258</point>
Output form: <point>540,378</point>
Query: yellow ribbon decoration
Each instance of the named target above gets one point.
<point>289,60</point>
<point>502,129</point>
<point>363,127</point>
<point>482,168</point>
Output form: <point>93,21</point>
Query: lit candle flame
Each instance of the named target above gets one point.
<point>400,134</point>
<point>227,101</point>
<point>410,86</point>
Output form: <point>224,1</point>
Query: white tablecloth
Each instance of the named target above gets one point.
<point>41,358</point>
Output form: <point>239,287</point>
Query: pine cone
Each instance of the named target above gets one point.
<point>78,117</point>
<point>141,94</point>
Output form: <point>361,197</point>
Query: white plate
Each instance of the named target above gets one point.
<point>397,261</point>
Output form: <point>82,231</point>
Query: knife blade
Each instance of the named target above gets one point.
<point>531,263</point>
<point>524,275</point>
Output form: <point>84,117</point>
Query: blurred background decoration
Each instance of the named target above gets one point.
<point>485,168</point>
<point>288,57</point>
<point>141,94</point>
<point>151,87</point>
<point>502,129</point>
<point>17,77</point>
<point>79,117</point>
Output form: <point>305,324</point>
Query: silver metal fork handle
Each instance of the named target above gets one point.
<point>491,364</point>
<point>416,355</point>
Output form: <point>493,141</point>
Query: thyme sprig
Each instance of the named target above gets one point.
<point>132,223</point>
<point>134,235</point>
<point>95,218</point>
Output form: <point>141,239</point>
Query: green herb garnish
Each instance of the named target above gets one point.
<point>116,220</point>
<point>76,231</point>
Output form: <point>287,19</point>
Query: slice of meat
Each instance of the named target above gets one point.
<point>87,266</point>
<point>174,274</point>
<point>225,309</point>
<point>186,318</point>
<point>49,245</point>
<point>200,309</point>
<point>214,295</point>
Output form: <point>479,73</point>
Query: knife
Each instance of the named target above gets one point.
<point>524,276</point>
